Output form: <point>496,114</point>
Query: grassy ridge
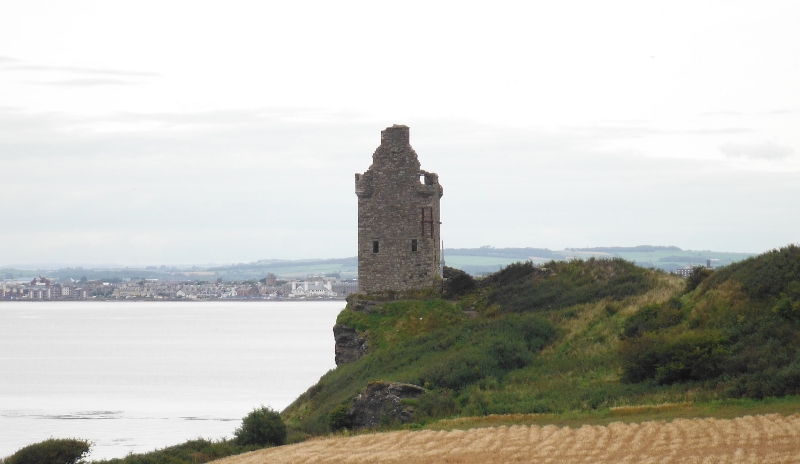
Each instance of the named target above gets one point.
<point>579,337</point>
<point>737,333</point>
<point>544,341</point>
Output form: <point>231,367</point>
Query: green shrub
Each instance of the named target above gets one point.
<point>190,452</point>
<point>787,308</point>
<point>522,287</point>
<point>737,330</point>
<point>482,348</point>
<point>765,276</point>
<point>263,426</point>
<point>698,275</point>
<point>457,369</point>
<point>458,283</point>
<point>668,359</point>
<point>52,451</point>
<point>338,419</point>
<point>435,404</point>
<point>654,317</point>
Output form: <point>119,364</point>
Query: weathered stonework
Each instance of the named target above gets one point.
<point>398,219</point>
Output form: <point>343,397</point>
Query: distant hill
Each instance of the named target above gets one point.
<point>636,249</point>
<point>518,253</point>
<point>485,260</point>
<point>476,261</point>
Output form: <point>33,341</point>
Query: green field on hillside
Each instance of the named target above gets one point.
<point>578,338</point>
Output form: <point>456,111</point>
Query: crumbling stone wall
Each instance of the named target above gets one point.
<point>398,218</point>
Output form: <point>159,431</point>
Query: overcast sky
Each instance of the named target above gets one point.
<point>194,132</point>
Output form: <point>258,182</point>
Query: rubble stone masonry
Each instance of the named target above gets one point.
<point>398,218</point>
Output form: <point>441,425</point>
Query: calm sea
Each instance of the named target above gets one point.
<point>136,376</point>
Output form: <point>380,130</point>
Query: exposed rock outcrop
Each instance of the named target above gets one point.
<point>350,346</point>
<point>382,401</point>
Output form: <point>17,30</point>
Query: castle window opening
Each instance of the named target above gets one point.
<point>426,219</point>
<point>413,244</point>
<point>422,179</point>
<point>375,247</point>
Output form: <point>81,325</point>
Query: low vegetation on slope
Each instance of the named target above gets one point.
<point>573,336</point>
<point>516,344</point>
<point>737,333</point>
<point>522,287</point>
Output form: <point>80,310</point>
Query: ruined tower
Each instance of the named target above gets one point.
<point>398,218</point>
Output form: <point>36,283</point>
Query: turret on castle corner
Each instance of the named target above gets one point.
<point>398,218</point>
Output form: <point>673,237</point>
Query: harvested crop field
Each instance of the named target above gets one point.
<point>766,438</point>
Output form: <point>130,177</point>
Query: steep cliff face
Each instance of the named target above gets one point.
<point>382,402</point>
<point>350,346</point>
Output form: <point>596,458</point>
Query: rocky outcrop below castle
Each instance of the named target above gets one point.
<point>349,345</point>
<point>381,402</point>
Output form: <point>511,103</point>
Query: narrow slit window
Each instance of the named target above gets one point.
<point>375,246</point>
<point>413,244</point>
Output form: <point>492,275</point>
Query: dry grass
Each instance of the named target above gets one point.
<point>765,438</point>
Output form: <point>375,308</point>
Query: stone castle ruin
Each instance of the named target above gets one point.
<point>398,219</point>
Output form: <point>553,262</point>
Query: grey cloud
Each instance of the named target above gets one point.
<point>71,69</point>
<point>780,111</point>
<point>721,113</point>
<point>13,64</point>
<point>722,131</point>
<point>640,131</point>
<point>764,151</point>
<point>241,185</point>
<point>83,82</point>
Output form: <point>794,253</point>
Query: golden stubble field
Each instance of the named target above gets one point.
<point>751,439</point>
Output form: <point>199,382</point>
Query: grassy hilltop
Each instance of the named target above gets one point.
<point>576,339</point>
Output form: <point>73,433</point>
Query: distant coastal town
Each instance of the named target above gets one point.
<point>273,279</point>
<point>268,288</point>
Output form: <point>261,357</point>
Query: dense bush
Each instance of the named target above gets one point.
<point>523,287</point>
<point>263,426</point>
<point>458,283</point>
<point>435,404</point>
<point>765,276</point>
<point>654,317</point>
<point>338,419</point>
<point>739,330</point>
<point>668,359</point>
<point>52,451</point>
<point>698,275</point>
